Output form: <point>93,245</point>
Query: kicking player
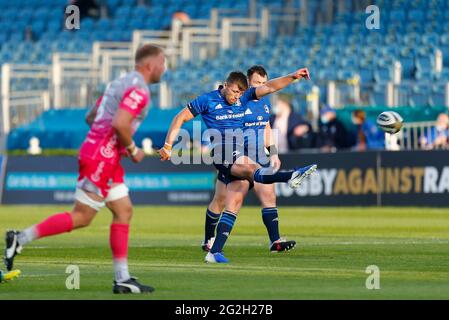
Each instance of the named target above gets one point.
<point>224,111</point>
<point>123,107</point>
<point>257,116</point>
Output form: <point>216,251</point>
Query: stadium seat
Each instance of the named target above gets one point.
<point>419,96</point>
<point>378,96</point>
<point>410,32</point>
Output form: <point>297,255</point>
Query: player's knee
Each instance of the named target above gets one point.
<point>81,219</point>
<point>124,215</point>
<point>250,169</point>
<point>244,171</point>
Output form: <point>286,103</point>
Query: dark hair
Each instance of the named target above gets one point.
<point>147,50</point>
<point>257,69</point>
<point>238,78</point>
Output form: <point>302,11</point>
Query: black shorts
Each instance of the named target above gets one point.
<point>224,156</point>
<point>224,165</point>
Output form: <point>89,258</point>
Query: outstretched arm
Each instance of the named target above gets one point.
<point>183,116</point>
<point>277,84</point>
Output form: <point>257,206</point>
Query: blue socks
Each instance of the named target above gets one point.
<point>266,176</point>
<point>210,224</point>
<point>224,228</point>
<point>270,219</point>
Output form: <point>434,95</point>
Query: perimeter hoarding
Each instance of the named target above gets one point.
<point>405,178</point>
<point>45,180</point>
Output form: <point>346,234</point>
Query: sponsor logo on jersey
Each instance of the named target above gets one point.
<point>266,108</point>
<point>259,118</point>
<point>108,150</point>
<point>248,111</point>
<point>96,176</point>
<point>218,106</point>
<point>230,116</point>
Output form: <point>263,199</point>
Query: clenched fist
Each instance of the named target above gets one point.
<point>301,74</point>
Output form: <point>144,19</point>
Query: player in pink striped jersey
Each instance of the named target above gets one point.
<point>118,115</point>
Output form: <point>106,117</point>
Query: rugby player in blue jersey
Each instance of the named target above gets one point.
<point>223,111</point>
<point>256,122</point>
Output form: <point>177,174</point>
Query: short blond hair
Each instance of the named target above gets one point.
<point>147,50</point>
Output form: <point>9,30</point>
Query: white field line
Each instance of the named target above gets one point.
<point>212,268</point>
<point>259,244</point>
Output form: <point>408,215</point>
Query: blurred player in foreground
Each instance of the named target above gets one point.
<point>257,116</point>
<point>123,107</point>
<point>223,112</point>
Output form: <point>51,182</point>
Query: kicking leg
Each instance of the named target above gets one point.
<point>119,203</point>
<point>246,169</point>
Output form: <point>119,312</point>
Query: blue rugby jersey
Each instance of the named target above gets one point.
<point>257,116</point>
<point>218,114</point>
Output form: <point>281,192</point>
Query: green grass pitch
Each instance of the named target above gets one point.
<point>335,246</point>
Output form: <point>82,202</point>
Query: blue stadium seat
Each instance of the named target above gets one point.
<point>437,98</point>
<point>378,96</point>
<point>408,67</point>
<point>419,96</point>
<point>416,15</point>
<point>397,15</point>
<point>382,75</point>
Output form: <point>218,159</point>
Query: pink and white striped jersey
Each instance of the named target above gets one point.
<point>130,93</point>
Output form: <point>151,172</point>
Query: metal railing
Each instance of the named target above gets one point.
<point>74,80</point>
<point>112,58</point>
<point>413,136</point>
<point>22,106</point>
